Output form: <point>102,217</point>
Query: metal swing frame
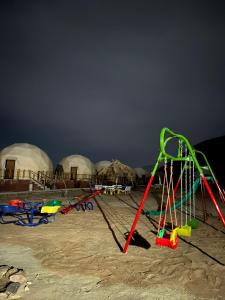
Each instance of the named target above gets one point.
<point>164,155</point>
<point>163,238</point>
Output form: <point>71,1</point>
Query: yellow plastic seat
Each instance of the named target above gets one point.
<point>49,209</point>
<point>173,236</point>
<point>184,231</point>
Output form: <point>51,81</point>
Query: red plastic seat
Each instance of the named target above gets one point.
<point>166,242</point>
<point>17,202</point>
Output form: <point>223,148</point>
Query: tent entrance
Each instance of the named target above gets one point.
<point>73,173</point>
<point>9,169</point>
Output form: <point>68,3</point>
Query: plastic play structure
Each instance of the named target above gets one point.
<point>28,214</point>
<point>191,175</point>
<point>179,204</point>
<point>84,203</point>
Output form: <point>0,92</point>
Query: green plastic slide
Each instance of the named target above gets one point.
<point>178,204</point>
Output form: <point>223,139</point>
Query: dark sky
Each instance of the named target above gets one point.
<point>101,78</point>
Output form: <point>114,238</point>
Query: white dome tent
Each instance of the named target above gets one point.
<point>141,175</point>
<point>22,161</point>
<point>140,172</point>
<point>102,164</point>
<point>78,167</point>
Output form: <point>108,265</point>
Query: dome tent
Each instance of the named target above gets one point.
<point>23,157</point>
<point>79,167</point>
<point>117,172</point>
<point>102,164</point>
<point>140,172</point>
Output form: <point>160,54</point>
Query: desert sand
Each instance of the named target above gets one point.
<point>78,256</point>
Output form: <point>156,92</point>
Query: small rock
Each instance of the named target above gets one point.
<point>3,284</point>
<point>11,271</point>
<point>3,270</point>
<point>18,278</point>
<point>26,288</point>
<point>29,282</point>
<point>12,288</point>
<point>19,293</point>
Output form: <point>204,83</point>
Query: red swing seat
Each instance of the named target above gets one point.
<point>166,241</point>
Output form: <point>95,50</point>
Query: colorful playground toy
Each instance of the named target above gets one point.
<point>83,202</point>
<point>49,209</point>
<point>163,238</point>
<point>189,163</point>
<point>17,202</point>
<point>167,240</point>
<point>28,213</point>
<point>184,231</point>
<point>54,202</point>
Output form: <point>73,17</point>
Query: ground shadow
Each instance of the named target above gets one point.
<point>109,225</point>
<point>210,225</point>
<point>202,251</point>
<point>125,202</point>
<point>137,240</point>
<point>135,202</point>
<point>196,247</point>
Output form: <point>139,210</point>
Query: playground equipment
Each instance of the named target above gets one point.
<point>51,207</point>
<point>17,203</point>
<point>28,214</point>
<point>83,202</point>
<point>163,238</point>
<point>188,182</point>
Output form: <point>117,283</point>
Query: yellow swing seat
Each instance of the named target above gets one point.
<point>173,236</point>
<point>184,230</point>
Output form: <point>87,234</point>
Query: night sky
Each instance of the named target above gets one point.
<point>101,78</point>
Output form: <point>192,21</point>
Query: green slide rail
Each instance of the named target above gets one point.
<point>178,204</point>
<point>164,155</point>
<point>166,136</point>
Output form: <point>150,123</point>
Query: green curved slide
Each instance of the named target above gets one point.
<point>178,204</point>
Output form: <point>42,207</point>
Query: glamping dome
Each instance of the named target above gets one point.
<point>102,164</point>
<point>80,167</point>
<point>140,172</point>
<point>23,157</point>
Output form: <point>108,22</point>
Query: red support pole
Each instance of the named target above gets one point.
<point>220,191</point>
<point>138,213</point>
<point>214,200</point>
<point>204,209</point>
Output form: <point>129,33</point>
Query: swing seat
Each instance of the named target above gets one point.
<point>54,203</point>
<point>193,223</point>
<point>184,231</point>
<point>50,209</point>
<point>17,202</point>
<point>9,209</point>
<point>167,240</point>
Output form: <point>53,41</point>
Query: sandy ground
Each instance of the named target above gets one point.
<point>78,256</point>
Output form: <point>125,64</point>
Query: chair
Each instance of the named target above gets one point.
<point>98,187</point>
<point>127,190</point>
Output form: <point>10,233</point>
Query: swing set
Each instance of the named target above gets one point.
<point>190,177</point>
